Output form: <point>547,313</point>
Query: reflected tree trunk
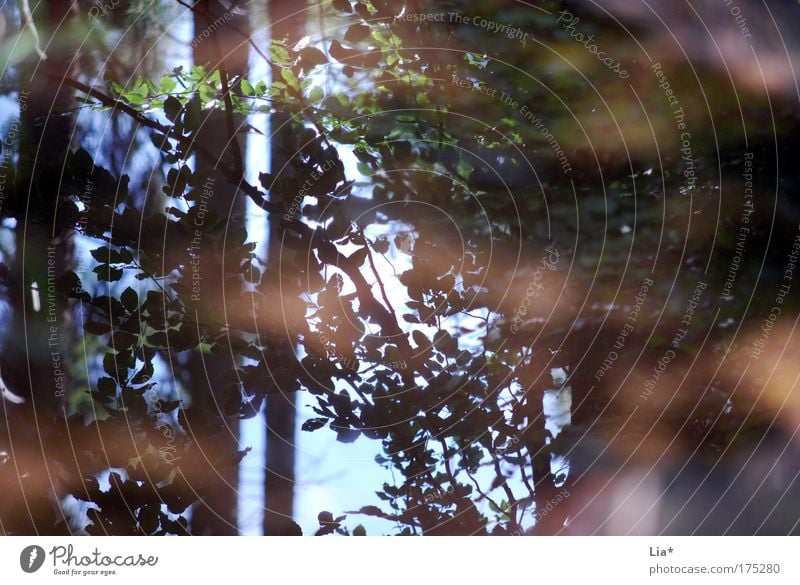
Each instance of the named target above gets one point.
<point>37,341</point>
<point>219,42</point>
<point>287,20</point>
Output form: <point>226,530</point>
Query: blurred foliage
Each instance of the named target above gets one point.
<point>451,380</point>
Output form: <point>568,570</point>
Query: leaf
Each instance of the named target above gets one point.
<point>347,435</point>
<point>372,511</point>
<point>247,88</point>
<point>167,84</point>
<point>381,246</point>
<point>96,328</point>
<point>311,57</point>
<point>362,10</point>
<point>172,108</point>
<point>420,339</point>
<point>341,54</point>
<point>107,273</point>
<point>129,298</point>
<point>148,518</point>
<point>81,163</point>
<point>316,95</point>
<point>143,375</point>
<point>191,118</point>
<point>288,76</point>
<point>112,366</point>
<point>342,6</point>
<point>100,254</point>
<point>359,256</point>
<point>313,424</point>
<point>107,386</point>
<point>356,33</point>
<point>365,169</point>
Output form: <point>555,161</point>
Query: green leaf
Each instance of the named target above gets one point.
<point>278,54</point>
<point>379,38</point>
<point>288,76</point>
<point>134,98</point>
<point>167,84</point>
<point>247,88</point>
<point>365,169</point>
<point>316,95</point>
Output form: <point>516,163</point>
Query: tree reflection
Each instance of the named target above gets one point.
<point>560,297</point>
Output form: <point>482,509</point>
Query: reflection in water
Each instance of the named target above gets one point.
<point>506,288</point>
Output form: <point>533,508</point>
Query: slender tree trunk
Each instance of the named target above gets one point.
<point>219,42</point>
<point>288,22</point>
<point>36,347</point>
